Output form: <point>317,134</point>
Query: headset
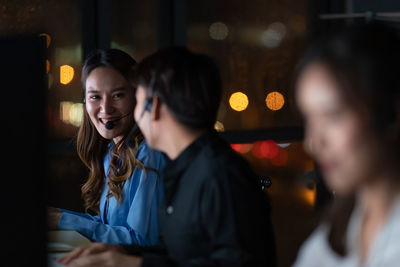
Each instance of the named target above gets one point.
<point>148,104</point>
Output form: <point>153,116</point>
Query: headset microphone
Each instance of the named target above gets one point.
<point>147,107</point>
<point>111,124</point>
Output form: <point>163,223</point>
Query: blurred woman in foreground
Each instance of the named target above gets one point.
<point>348,91</point>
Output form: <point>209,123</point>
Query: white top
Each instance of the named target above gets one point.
<point>384,252</point>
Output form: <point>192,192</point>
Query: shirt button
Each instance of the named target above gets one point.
<point>170,210</point>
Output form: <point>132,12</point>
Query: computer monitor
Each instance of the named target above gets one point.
<point>23,148</point>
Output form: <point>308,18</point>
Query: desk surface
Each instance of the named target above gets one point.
<point>60,243</point>
<point>52,257</point>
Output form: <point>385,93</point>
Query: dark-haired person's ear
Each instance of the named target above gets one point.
<point>156,108</point>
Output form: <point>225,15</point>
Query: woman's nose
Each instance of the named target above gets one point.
<point>307,143</point>
<point>312,139</point>
<point>107,105</point>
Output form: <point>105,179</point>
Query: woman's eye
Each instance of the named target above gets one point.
<point>335,117</point>
<point>94,97</point>
<point>118,96</point>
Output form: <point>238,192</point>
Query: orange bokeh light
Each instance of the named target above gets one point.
<point>47,66</point>
<point>309,195</point>
<point>275,101</point>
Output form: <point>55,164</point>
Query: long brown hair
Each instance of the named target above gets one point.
<point>92,147</point>
<point>363,59</point>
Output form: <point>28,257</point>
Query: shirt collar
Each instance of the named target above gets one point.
<point>175,167</point>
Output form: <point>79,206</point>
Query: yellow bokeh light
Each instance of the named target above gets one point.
<point>238,101</point>
<point>66,74</point>
<point>219,126</point>
<point>71,113</point>
<point>274,101</point>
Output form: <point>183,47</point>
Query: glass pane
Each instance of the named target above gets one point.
<point>296,193</point>
<point>134,27</point>
<point>52,19</point>
<point>256,45</point>
<point>59,21</point>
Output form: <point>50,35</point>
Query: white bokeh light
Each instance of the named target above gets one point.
<point>218,31</point>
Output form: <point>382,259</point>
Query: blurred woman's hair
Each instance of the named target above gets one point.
<point>189,84</point>
<point>364,61</point>
<point>92,147</point>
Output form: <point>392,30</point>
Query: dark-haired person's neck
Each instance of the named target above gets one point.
<point>180,138</point>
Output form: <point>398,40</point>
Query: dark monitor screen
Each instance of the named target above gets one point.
<point>23,132</point>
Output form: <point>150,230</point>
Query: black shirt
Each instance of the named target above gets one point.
<point>214,212</point>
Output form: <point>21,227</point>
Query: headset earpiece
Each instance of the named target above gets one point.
<point>148,104</point>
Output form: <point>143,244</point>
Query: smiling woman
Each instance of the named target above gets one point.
<point>123,187</point>
<point>109,97</point>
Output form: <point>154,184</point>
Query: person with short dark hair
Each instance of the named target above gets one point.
<point>214,212</point>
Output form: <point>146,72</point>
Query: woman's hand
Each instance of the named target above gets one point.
<point>53,218</point>
<point>89,250</point>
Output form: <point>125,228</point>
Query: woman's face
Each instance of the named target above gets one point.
<point>108,97</point>
<point>335,134</point>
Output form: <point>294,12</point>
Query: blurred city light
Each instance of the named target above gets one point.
<point>284,145</point>
<point>274,101</point>
<point>308,195</point>
<point>281,158</point>
<point>269,149</point>
<point>272,37</point>
<point>238,101</point>
<point>218,126</point>
<point>256,150</point>
<point>47,66</point>
<point>265,149</point>
<point>218,31</point>
<point>71,113</point>
<point>241,148</point>
<point>66,74</point>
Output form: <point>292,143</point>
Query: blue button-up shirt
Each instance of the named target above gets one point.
<point>135,220</point>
